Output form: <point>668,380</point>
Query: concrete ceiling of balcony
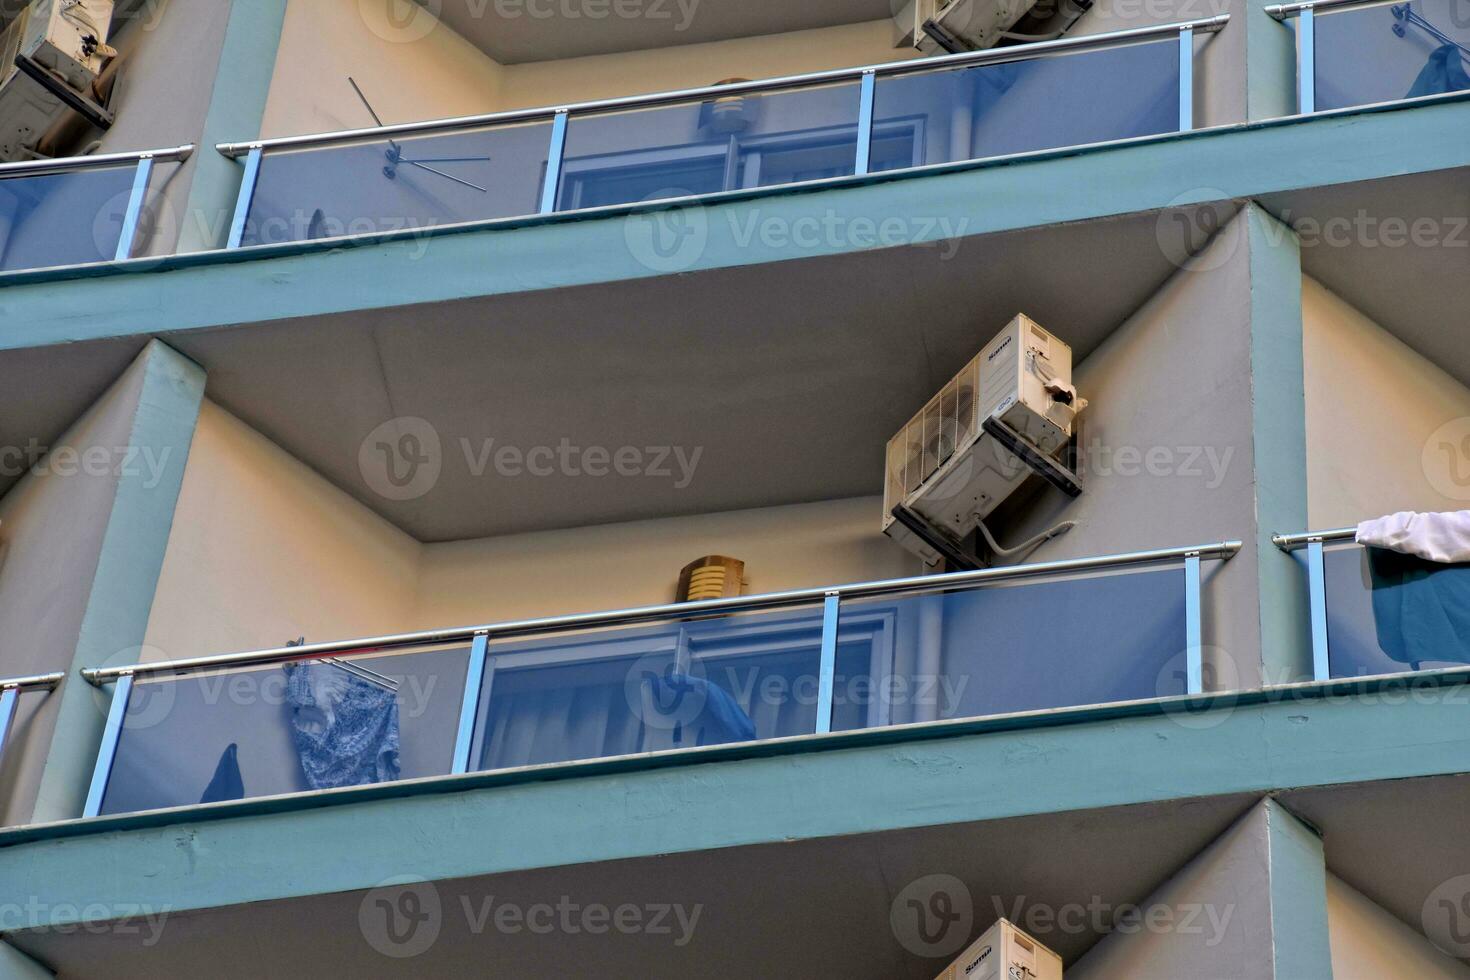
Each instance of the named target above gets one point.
<point>808,909</point>
<point>1398,249</point>
<point>521,31</point>
<point>786,379</point>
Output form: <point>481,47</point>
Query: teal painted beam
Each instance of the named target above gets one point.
<point>128,564</point>
<point>1279,441</point>
<point>236,107</point>
<point>1298,896</point>
<point>487,824</point>
<point>221,289</point>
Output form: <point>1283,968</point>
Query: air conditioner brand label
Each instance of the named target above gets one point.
<point>984,954</point>
<point>996,353</point>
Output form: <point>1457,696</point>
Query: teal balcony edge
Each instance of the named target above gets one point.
<point>1289,737</point>
<point>276,282</point>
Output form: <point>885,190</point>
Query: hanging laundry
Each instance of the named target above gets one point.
<point>227,783</point>
<point>719,720</point>
<point>1441,538</point>
<point>1444,72</point>
<point>345,729</point>
<point>1421,597</point>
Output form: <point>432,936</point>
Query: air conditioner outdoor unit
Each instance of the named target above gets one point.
<point>1005,953</point>
<point>1008,414</point>
<point>940,26</point>
<point>49,56</point>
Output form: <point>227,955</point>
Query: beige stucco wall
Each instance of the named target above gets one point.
<point>695,65</point>
<point>636,564</point>
<point>1368,943</point>
<point>413,75</point>
<point>264,550</point>
<point>1376,419</point>
<point>323,42</point>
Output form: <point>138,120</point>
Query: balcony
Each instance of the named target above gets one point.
<point>666,680</point>
<point>1354,53</point>
<point>78,210</point>
<point>1375,612</point>
<point>743,137</point>
<point>11,691</point>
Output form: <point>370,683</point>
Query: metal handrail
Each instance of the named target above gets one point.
<point>1281,11</point>
<point>1019,52</point>
<point>1222,551</point>
<point>48,682</point>
<point>68,164</point>
<point>1295,542</point>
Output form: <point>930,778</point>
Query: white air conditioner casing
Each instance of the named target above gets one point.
<point>1005,953</point>
<point>956,24</point>
<point>68,38</point>
<point>943,465</point>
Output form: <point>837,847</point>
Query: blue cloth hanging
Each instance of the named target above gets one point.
<point>226,784</point>
<point>719,720</point>
<point>1444,72</point>
<point>345,729</point>
<point>1421,609</point>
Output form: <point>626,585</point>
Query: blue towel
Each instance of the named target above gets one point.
<point>719,720</point>
<point>1444,72</point>
<point>226,784</point>
<point>345,729</point>
<point>1421,608</point>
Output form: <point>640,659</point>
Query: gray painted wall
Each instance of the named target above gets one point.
<point>52,527</point>
<point>1228,914</point>
<point>1169,448</point>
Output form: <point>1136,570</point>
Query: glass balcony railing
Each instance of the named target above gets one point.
<point>1376,612</point>
<point>732,137</point>
<point>1367,52</point>
<point>665,678</point>
<point>75,211</point>
<point>10,694</point>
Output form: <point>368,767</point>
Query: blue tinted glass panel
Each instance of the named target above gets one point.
<point>206,738</point>
<point>410,183</point>
<point>1388,613</point>
<point>1387,53</point>
<point>1044,103</point>
<point>996,650</point>
<point>63,219</point>
<point>699,682</point>
<point>742,141</point>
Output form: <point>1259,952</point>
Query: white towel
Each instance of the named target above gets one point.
<point>1437,537</point>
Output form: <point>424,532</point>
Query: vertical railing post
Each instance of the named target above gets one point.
<point>134,214</point>
<point>8,698</point>
<point>1186,80</point>
<point>1317,587</point>
<point>831,605</point>
<point>469,708</point>
<point>865,123</point>
<point>246,198</point>
<point>108,751</point>
<point>552,187</point>
<point>1306,62</point>
<point>1193,626</point>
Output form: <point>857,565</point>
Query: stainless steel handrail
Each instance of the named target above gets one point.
<point>1222,551</point>
<point>47,682</point>
<point>1281,11</point>
<point>68,164</point>
<point>1293,542</point>
<point>1019,52</point>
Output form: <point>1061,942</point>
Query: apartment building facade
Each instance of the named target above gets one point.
<point>443,485</point>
